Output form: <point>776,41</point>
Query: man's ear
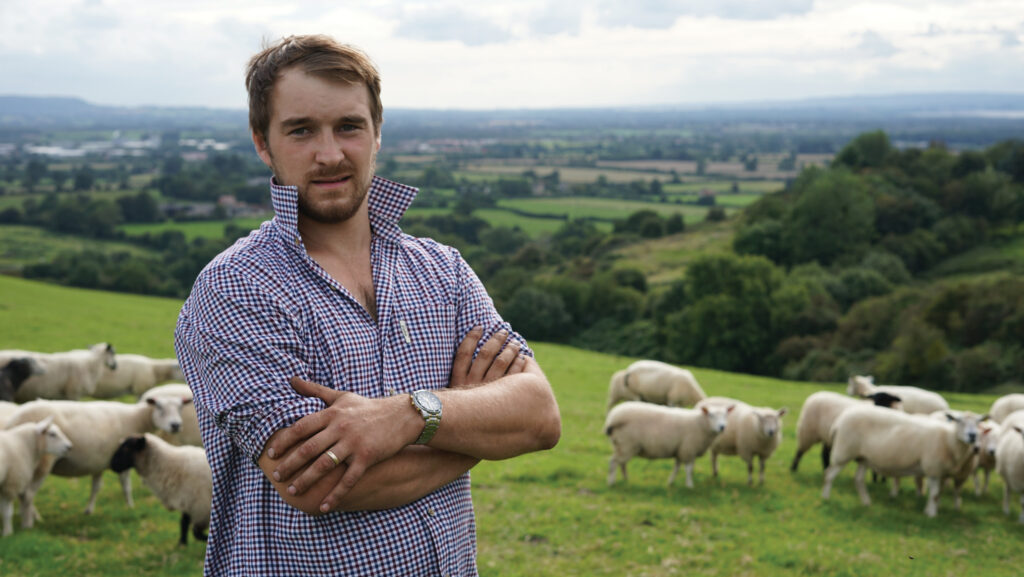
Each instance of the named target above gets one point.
<point>262,149</point>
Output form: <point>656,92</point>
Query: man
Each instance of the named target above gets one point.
<point>332,356</point>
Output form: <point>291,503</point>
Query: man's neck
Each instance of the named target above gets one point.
<point>343,251</point>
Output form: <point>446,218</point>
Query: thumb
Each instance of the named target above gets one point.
<point>311,389</point>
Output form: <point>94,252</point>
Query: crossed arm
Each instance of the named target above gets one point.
<point>498,405</point>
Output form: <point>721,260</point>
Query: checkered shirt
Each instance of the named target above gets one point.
<point>263,311</point>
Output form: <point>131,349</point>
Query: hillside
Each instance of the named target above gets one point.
<point>549,513</point>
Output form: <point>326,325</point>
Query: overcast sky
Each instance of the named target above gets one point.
<point>521,53</point>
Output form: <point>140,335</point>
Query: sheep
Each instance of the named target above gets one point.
<point>66,375</point>
<point>915,400</point>
<point>189,433</point>
<point>819,412</point>
<point>135,374</point>
<point>21,449</point>
<point>985,459</point>
<point>897,444</point>
<point>654,382</point>
<point>6,410</point>
<point>657,432</point>
<point>1010,464</point>
<point>96,428</point>
<point>750,432</point>
<point>179,476</point>
<point>16,372</point>
<point>1003,406</point>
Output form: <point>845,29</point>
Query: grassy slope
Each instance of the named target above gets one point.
<point>542,514</point>
<point>21,245</point>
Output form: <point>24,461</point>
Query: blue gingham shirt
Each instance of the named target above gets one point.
<point>263,311</point>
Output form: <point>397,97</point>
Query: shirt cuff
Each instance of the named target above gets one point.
<point>260,429</point>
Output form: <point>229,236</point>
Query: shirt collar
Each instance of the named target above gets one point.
<point>387,201</point>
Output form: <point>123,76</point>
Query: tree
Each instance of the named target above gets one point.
<point>35,171</point>
<point>869,150</point>
<point>84,178</point>
<point>538,315</point>
<point>833,216</point>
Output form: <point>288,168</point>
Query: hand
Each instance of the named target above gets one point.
<point>360,431</point>
<point>491,363</point>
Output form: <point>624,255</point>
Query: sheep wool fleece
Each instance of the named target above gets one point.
<point>264,311</point>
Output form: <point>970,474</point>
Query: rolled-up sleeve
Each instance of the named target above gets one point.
<point>476,308</point>
<point>238,347</point>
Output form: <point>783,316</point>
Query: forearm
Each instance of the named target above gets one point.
<point>411,474</point>
<point>513,415</point>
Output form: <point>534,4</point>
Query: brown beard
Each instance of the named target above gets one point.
<point>334,214</point>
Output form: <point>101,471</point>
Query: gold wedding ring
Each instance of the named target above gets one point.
<point>330,454</point>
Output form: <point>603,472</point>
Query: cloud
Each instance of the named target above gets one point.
<point>662,14</point>
<point>874,45</point>
<point>451,24</point>
<point>1009,39</point>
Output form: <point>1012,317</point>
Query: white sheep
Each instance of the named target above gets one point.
<point>819,412</point>
<point>750,432</point>
<point>1010,460</point>
<point>915,400</point>
<point>179,476</point>
<point>897,444</point>
<point>1003,406</point>
<point>96,428</point>
<point>21,449</point>
<point>66,375</point>
<point>189,433</point>
<point>135,374</point>
<point>654,382</point>
<point>6,410</point>
<point>657,432</point>
<point>985,460</point>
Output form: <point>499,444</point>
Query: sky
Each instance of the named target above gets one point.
<point>508,54</point>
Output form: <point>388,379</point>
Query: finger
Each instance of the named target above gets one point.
<point>464,356</point>
<point>518,366</point>
<point>355,471</point>
<point>303,454</point>
<point>502,362</point>
<point>311,389</point>
<point>301,475</point>
<point>285,439</point>
<point>486,356</point>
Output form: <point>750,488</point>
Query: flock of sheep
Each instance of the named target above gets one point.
<point>892,431</point>
<point>46,429</point>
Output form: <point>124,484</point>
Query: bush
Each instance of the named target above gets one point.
<point>538,315</point>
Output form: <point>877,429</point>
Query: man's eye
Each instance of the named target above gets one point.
<point>299,132</point>
<point>349,127</point>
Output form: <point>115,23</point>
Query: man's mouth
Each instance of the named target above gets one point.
<point>330,180</point>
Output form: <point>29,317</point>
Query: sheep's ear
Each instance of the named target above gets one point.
<point>704,409</point>
<point>952,417</point>
<point>186,400</point>
<point>782,412</point>
<point>729,409</point>
<point>151,401</point>
<point>984,417</point>
<point>1018,429</point>
<point>41,426</point>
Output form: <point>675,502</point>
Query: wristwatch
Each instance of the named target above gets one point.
<point>429,406</point>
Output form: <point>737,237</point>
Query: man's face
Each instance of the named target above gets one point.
<point>321,139</point>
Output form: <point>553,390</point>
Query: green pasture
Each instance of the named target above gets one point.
<point>664,260</point>
<point>193,229</point>
<point>21,245</point>
<point>605,208</point>
<point>549,513</point>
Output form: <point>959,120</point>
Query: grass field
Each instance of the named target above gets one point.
<point>21,245</point>
<point>193,229</point>
<point>549,513</point>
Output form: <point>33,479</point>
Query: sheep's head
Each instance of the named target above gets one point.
<point>966,427</point>
<point>717,416</point>
<point>859,385</point>
<point>989,439</point>
<point>124,456</point>
<point>55,442</point>
<point>167,412</point>
<point>769,421</point>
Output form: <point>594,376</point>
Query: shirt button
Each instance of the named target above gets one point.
<point>392,392</point>
<point>298,240</point>
<point>431,512</point>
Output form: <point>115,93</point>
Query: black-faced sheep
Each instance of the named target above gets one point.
<point>916,400</point>
<point>66,375</point>
<point>14,373</point>
<point>179,476</point>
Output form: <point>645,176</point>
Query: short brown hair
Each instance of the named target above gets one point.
<point>318,55</point>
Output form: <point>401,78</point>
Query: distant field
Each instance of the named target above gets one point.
<point>579,207</point>
<point>566,174</point>
<point>549,513</point>
<point>193,229</point>
<point>21,245</point>
<point>664,260</point>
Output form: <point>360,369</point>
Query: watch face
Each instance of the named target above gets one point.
<point>428,401</point>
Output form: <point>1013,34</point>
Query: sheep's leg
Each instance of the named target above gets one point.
<point>126,486</point>
<point>957,499</point>
<point>1020,518</point>
<point>612,464</point>
<point>760,480</point>
<point>1006,500</point>
<point>7,511</point>
<point>894,487</point>
<point>185,522</point>
<point>862,489</point>
<point>750,472</point>
<point>831,473</point>
<point>919,483</point>
<point>689,475</point>
<point>826,455</point>
<point>97,482</point>
<point>199,533</point>
<point>934,487</point>
<point>714,464</point>
<point>977,483</point>
<point>796,460</point>
<point>672,475</point>
<point>984,488</point>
